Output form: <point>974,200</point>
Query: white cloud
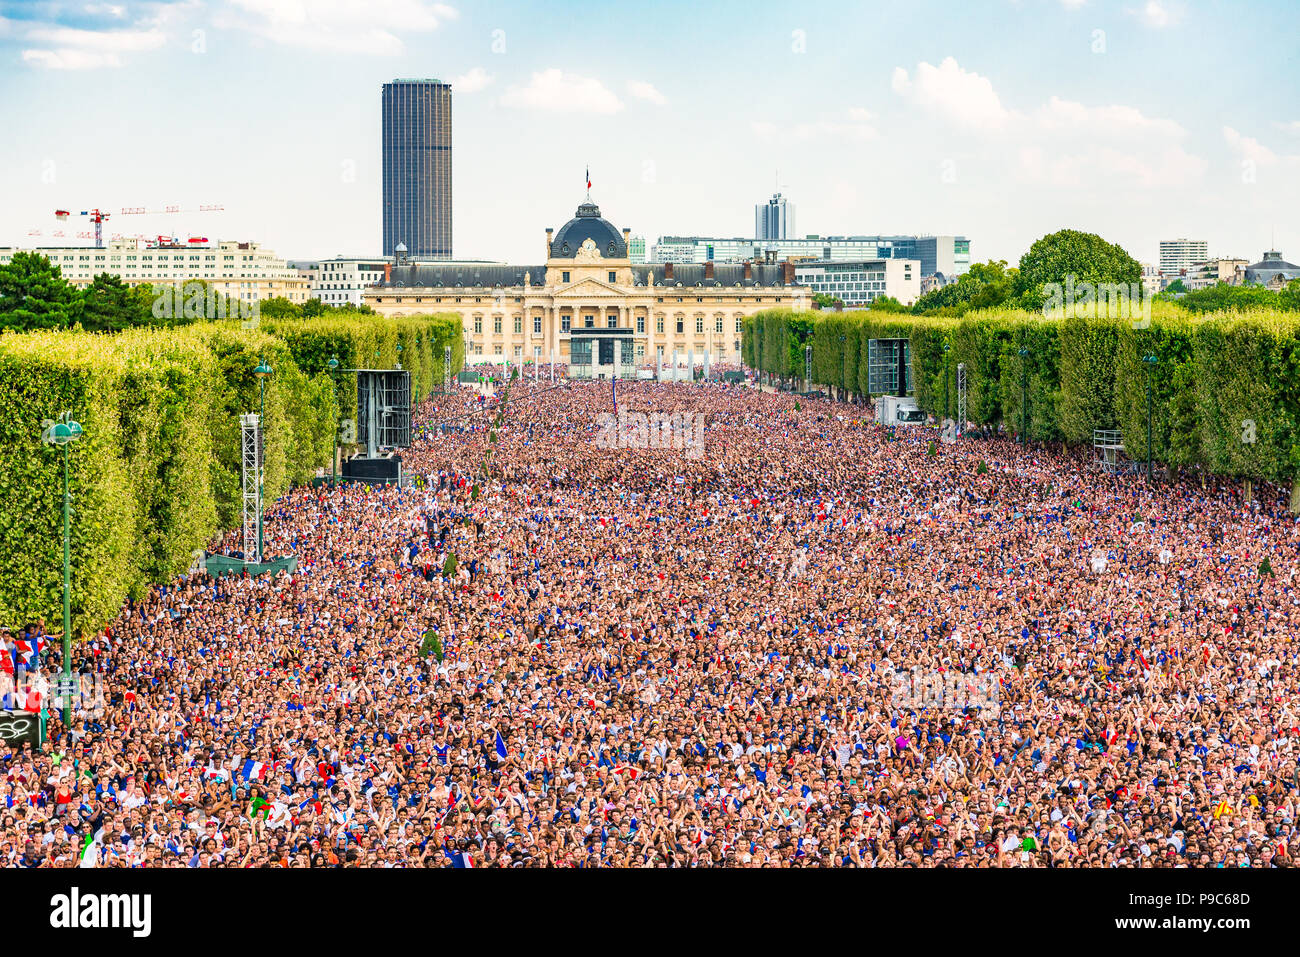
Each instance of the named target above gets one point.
<point>1065,115</point>
<point>1248,148</point>
<point>1060,143</point>
<point>1074,4</point>
<point>1291,127</point>
<point>473,81</point>
<point>562,92</point>
<point>65,48</point>
<point>646,91</point>
<point>69,59</point>
<point>117,11</point>
<point>964,97</point>
<point>1095,166</point>
<point>855,129</point>
<point>345,26</point>
<point>1158,13</point>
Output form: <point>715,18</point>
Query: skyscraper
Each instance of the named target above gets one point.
<point>417,168</point>
<point>774,219</point>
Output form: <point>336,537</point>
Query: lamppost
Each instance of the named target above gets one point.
<point>398,364</point>
<point>333,366</point>
<point>1151,368</point>
<point>262,371</point>
<point>61,434</point>
<point>1024,400</point>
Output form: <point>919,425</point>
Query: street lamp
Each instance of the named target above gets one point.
<point>1151,362</point>
<point>333,366</point>
<point>262,371</point>
<point>61,434</point>
<point>398,364</point>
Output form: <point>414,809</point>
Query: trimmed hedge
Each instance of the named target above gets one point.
<point>1225,389</point>
<point>157,472</point>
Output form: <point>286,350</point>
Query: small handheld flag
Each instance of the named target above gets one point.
<point>501,747</point>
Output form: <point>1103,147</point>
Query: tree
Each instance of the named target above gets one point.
<point>824,300</point>
<point>1223,297</point>
<point>1176,286</point>
<point>110,305</point>
<point>1289,297</point>
<point>1070,255</point>
<point>887,304</point>
<point>34,295</point>
<point>984,286</point>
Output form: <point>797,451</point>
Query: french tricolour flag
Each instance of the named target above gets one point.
<point>253,769</point>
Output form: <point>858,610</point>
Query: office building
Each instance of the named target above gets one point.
<point>949,255</point>
<point>417,168</point>
<point>1179,254</point>
<point>859,283</point>
<point>774,219</point>
<point>243,271</point>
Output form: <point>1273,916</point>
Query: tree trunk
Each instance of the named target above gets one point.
<point>1295,496</point>
<point>1250,491</point>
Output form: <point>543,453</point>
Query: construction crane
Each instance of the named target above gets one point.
<point>97,217</point>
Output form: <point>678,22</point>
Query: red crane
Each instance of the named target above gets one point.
<point>97,218</point>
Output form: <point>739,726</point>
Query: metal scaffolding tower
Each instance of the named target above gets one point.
<point>250,428</point>
<point>961,397</point>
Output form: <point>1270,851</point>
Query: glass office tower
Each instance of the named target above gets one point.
<point>417,168</point>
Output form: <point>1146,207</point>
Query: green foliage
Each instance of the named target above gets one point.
<point>886,304</point>
<point>1223,297</point>
<point>1069,253</point>
<point>157,472</point>
<point>983,286</point>
<point>431,645</point>
<point>34,295</point>
<point>1088,349</point>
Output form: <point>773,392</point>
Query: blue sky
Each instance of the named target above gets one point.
<point>1001,120</point>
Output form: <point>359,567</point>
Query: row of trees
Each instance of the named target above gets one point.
<point>1225,389</point>
<point>157,472</point>
<point>1089,259</point>
<point>34,295</point>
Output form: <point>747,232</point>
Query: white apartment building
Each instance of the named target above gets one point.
<point>1177,255</point>
<point>858,283</point>
<point>342,280</point>
<point>237,270</point>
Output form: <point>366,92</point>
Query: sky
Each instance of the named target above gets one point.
<point>1000,120</point>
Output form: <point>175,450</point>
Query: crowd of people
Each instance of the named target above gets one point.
<point>817,644</point>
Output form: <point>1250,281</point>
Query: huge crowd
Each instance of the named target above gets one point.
<point>546,651</point>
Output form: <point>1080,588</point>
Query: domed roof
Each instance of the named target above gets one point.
<point>587,224</point>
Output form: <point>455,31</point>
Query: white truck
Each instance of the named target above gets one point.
<point>898,410</point>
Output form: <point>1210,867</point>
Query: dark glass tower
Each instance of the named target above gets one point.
<point>417,168</point>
